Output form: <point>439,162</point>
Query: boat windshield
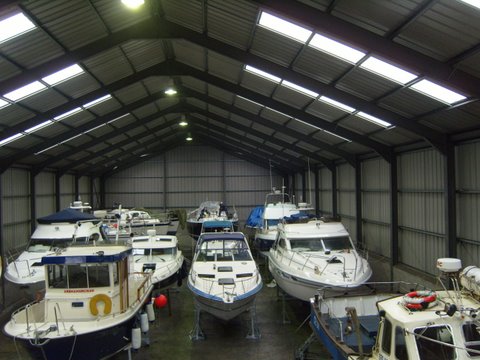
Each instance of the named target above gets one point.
<point>438,350</point>
<point>44,245</point>
<point>223,250</point>
<point>162,252</point>
<point>321,244</point>
<point>272,223</point>
<point>79,276</point>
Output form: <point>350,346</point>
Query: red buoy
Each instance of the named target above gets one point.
<point>161,301</point>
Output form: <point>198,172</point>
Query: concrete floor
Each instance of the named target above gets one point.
<point>283,327</point>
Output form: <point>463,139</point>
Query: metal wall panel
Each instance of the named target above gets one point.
<point>15,208</point>
<point>325,191</point>
<point>45,194</point>
<point>67,190</point>
<point>346,190</point>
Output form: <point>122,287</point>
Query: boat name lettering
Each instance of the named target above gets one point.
<point>78,290</point>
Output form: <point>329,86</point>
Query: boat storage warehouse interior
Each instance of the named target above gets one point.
<point>240,179</point>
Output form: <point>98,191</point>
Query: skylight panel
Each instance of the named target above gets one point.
<point>263,74</point>
<point>387,70</point>
<point>300,89</point>
<point>25,91</point>
<point>337,104</point>
<point>474,3</point>
<point>3,103</point>
<point>39,126</point>
<point>62,75</point>
<point>437,92</point>
<point>67,114</point>
<point>373,119</point>
<point>11,138</point>
<point>97,101</point>
<point>335,48</point>
<point>14,26</point>
<point>284,27</point>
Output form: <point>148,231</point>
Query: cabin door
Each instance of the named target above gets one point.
<point>123,279</point>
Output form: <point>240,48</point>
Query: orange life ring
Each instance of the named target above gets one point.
<point>106,300</point>
<point>420,300</point>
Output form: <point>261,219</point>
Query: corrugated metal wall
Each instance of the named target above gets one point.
<point>468,203</point>
<point>421,201</point>
<point>186,176</point>
<point>376,205</point>
<point>346,198</point>
<point>325,192</point>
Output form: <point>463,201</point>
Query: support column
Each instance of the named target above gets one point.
<point>450,203</point>
<point>358,202</point>
<point>33,195</point>
<point>334,193</point>
<point>57,191</point>
<point>394,257</point>
<point>317,194</point>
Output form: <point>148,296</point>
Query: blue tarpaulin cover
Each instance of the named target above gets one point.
<point>66,215</point>
<point>255,218</point>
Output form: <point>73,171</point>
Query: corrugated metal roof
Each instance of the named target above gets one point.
<point>202,48</point>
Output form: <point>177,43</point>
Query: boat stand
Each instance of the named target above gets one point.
<point>300,353</point>
<point>254,333</point>
<point>282,295</point>
<point>196,333</point>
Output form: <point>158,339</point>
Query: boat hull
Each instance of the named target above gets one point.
<point>95,345</point>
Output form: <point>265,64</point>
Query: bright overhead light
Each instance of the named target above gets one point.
<point>170,91</point>
<point>183,121</point>
<point>133,4</point>
<point>25,91</point>
<point>67,114</point>
<point>3,103</point>
<point>143,155</point>
<point>62,75</point>
<point>39,126</point>
<point>373,119</point>
<point>189,137</point>
<point>387,70</point>
<point>474,3</point>
<point>14,26</point>
<point>11,138</point>
<point>437,92</point>
<point>97,101</point>
<point>337,104</point>
<point>335,48</point>
<point>284,27</point>
<point>263,74</point>
<point>299,88</point>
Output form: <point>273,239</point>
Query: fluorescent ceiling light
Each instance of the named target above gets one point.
<point>373,119</point>
<point>250,101</point>
<point>143,155</point>
<point>263,74</point>
<point>3,103</point>
<point>335,48</point>
<point>39,126</point>
<point>337,104</point>
<point>278,112</point>
<point>437,92</point>
<point>338,136</point>
<point>42,151</point>
<point>170,91</point>
<point>97,101</point>
<point>25,91</point>
<point>62,75</point>
<point>15,25</point>
<point>189,138</point>
<point>387,70</point>
<point>118,118</point>
<point>284,27</point>
<point>300,89</point>
<point>94,128</point>
<point>67,114</point>
<point>133,4</point>
<point>11,138</point>
<point>474,3</point>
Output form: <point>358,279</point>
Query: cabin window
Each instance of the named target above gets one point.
<point>44,245</point>
<point>223,250</point>
<point>282,243</point>
<point>306,244</point>
<point>78,276</point>
<point>400,346</point>
<point>337,243</point>
<point>471,332</point>
<point>429,350</point>
<point>386,336</point>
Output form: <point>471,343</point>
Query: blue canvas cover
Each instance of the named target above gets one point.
<point>254,220</point>
<point>66,215</point>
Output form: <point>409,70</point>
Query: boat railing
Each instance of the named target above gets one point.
<point>145,285</point>
<point>306,262</point>
<point>214,287</point>
<point>31,313</point>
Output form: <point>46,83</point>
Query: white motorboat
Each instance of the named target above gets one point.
<point>315,254</point>
<point>160,255</point>
<point>131,222</point>
<point>409,324</point>
<point>224,278</point>
<point>90,306</point>
<point>276,208</point>
<point>209,211</point>
<point>53,232</point>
